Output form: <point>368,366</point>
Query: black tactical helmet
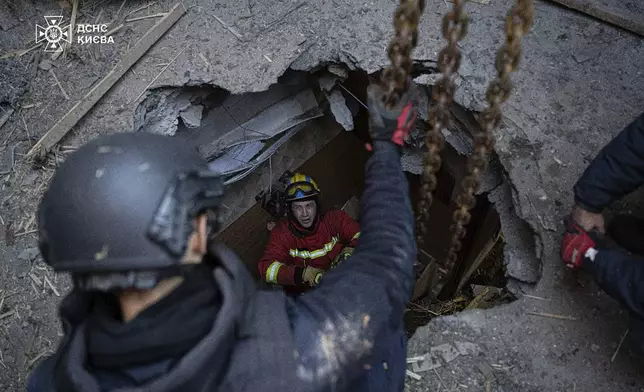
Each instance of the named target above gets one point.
<point>119,211</point>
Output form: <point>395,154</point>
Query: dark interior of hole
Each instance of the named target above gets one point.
<point>339,170</point>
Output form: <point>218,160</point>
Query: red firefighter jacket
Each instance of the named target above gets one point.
<point>287,254</point>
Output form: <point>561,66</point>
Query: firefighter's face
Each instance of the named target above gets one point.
<point>304,212</point>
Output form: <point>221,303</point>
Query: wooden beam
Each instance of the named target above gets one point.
<point>71,118</point>
<point>616,13</point>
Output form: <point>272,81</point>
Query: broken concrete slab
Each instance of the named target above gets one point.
<point>191,116</point>
<point>467,348</point>
<point>235,157</point>
<point>277,118</point>
<point>340,110</point>
<point>518,236</point>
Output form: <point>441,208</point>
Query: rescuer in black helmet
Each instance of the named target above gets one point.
<point>158,306</point>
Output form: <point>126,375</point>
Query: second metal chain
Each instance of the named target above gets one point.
<point>517,24</point>
<point>395,78</point>
<point>454,27</point>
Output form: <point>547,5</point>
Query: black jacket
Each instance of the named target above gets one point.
<point>617,170</point>
<point>264,341</point>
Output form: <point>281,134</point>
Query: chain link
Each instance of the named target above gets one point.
<point>454,28</point>
<point>517,24</point>
<point>395,77</point>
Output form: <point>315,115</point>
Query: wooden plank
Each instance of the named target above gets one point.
<point>627,14</point>
<point>71,118</point>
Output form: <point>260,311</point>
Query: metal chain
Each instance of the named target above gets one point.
<point>517,24</point>
<point>395,77</point>
<point>454,27</point>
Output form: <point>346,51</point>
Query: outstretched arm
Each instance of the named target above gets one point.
<point>618,169</point>
<point>356,305</point>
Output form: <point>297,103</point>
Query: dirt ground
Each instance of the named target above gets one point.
<point>579,83</point>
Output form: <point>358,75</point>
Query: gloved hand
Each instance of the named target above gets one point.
<point>342,256</point>
<point>312,275</point>
<point>391,124</point>
<point>575,245</point>
<point>588,220</point>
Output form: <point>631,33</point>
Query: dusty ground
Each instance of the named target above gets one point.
<point>580,82</point>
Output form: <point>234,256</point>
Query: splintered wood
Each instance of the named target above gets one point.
<point>618,13</point>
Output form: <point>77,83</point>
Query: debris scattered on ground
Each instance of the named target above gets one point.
<point>230,29</point>
<point>160,15</point>
<point>60,129</point>
<point>45,65</point>
<point>445,352</point>
<point>6,116</point>
<point>29,254</point>
<point>408,373</point>
<point>553,316</point>
<point>60,86</point>
<point>618,13</point>
<point>621,341</point>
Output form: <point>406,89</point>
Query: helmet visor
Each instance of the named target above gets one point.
<point>300,190</point>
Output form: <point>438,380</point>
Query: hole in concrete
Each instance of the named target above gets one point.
<point>299,125</point>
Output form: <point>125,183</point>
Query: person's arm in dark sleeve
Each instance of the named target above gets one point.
<point>337,324</point>
<point>272,266</point>
<point>620,275</point>
<point>618,169</point>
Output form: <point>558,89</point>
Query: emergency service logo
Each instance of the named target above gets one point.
<point>54,34</point>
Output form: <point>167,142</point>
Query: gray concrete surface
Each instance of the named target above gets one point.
<point>579,83</point>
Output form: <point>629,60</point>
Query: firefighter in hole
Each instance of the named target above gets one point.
<point>307,242</point>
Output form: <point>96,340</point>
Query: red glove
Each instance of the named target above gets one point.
<point>574,245</point>
<point>391,124</point>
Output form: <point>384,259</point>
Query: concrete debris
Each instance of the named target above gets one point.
<point>263,157</point>
<point>45,65</point>
<point>446,351</point>
<point>235,157</point>
<point>413,375</point>
<point>191,117</point>
<point>159,113</point>
<point>588,53</point>
<point>428,363</point>
<point>594,348</point>
<point>327,81</point>
<point>412,161</point>
<point>467,348</point>
<point>281,115</point>
<point>29,254</point>
<point>338,70</point>
<point>519,237</point>
<point>339,109</point>
<point>8,19</point>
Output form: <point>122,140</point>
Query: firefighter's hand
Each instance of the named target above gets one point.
<point>391,124</point>
<point>342,256</point>
<point>312,275</point>
<point>588,221</point>
<point>575,245</point>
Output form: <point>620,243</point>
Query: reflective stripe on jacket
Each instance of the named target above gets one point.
<point>287,254</point>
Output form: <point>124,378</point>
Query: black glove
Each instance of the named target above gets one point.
<point>391,124</point>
